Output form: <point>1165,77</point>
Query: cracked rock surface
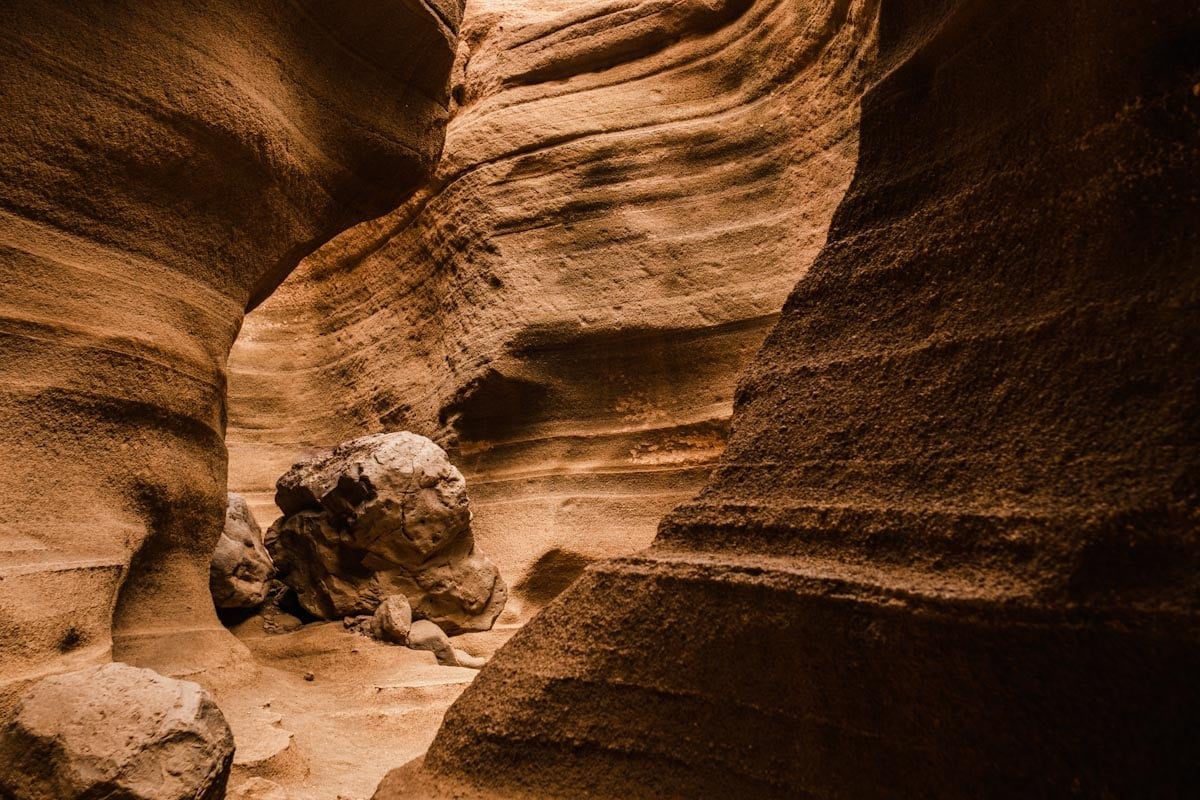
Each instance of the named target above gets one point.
<point>383,515</point>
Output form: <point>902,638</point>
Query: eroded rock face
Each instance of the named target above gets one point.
<point>115,731</point>
<point>163,165</point>
<point>629,190</point>
<point>951,548</point>
<point>241,565</point>
<point>381,515</point>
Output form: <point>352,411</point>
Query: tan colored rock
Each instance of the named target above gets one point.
<point>424,635</point>
<point>629,190</point>
<point>381,515</point>
<point>163,165</point>
<point>115,731</point>
<point>392,620</point>
<point>241,565</point>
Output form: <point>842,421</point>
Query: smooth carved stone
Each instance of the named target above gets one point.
<point>951,549</point>
<point>381,515</point>
<point>424,635</point>
<point>241,565</point>
<point>392,620</point>
<point>115,731</point>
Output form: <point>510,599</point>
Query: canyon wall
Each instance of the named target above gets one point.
<point>628,191</point>
<point>162,167</point>
<point>951,549</point>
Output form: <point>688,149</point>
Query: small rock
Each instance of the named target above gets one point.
<point>115,731</point>
<point>424,635</point>
<point>241,565</point>
<point>279,622</point>
<point>308,676</point>
<point>392,620</point>
<point>465,659</point>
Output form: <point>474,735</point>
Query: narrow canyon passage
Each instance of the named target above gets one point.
<point>625,197</point>
<point>535,399</point>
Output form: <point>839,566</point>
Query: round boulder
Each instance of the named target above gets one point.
<point>115,731</point>
<point>382,515</point>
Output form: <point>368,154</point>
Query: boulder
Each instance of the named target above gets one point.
<point>383,515</point>
<point>310,557</point>
<point>241,565</point>
<point>392,620</point>
<point>115,731</point>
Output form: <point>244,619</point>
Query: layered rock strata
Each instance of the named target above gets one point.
<point>628,191</point>
<point>952,547</point>
<point>162,167</point>
<point>378,516</point>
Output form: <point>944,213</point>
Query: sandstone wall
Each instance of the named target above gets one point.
<point>951,549</point>
<point>163,166</point>
<point>629,190</point>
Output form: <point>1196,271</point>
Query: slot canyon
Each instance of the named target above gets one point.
<point>483,399</point>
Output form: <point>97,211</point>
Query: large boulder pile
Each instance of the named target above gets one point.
<point>383,515</point>
<point>115,731</point>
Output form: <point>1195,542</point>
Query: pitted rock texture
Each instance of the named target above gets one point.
<point>382,515</point>
<point>628,191</point>
<point>951,549</point>
<point>163,165</point>
<point>241,565</point>
<point>115,731</point>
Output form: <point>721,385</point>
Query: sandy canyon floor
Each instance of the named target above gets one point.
<point>367,708</point>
